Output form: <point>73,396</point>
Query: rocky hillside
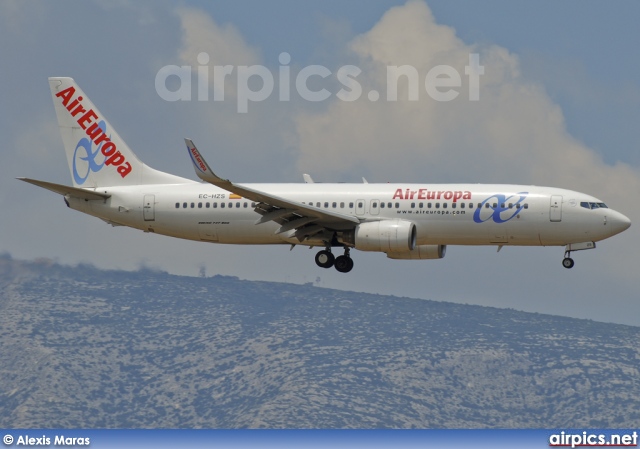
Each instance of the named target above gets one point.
<point>86,348</point>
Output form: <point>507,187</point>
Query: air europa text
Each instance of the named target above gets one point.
<point>89,122</point>
<point>426,194</point>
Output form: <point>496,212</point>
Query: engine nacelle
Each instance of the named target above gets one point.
<point>420,252</point>
<point>385,235</point>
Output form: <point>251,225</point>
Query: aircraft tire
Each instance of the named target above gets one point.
<point>568,262</point>
<point>324,259</point>
<point>344,264</point>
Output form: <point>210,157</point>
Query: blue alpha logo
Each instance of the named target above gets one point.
<point>500,208</point>
<point>87,156</point>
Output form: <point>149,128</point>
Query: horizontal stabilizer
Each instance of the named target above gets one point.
<point>66,190</point>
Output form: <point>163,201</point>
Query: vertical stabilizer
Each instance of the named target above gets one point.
<point>97,155</point>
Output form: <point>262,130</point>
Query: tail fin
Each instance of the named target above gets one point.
<point>97,155</point>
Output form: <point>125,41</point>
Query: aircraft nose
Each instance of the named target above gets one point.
<point>620,222</point>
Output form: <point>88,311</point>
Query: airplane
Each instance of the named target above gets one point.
<point>402,220</point>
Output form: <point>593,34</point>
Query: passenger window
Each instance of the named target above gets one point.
<point>184,205</point>
<point>177,205</point>
<point>334,205</point>
<point>421,205</point>
<point>326,204</point>
<point>246,205</point>
<point>510,205</point>
<point>381,205</point>
<point>318,204</point>
<point>429,205</point>
<point>199,205</point>
<point>495,205</point>
<point>215,205</point>
<point>502,205</point>
<point>374,205</point>
<point>437,205</point>
<point>342,205</point>
<point>350,205</point>
<point>230,205</point>
<point>526,205</point>
<point>222,205</point>
<point>397,205</point>
<point>461,205</point>
<point>453,205</point>
<point>518,205</point>
<point>253,204</point>
<point>413,205</point>
<point>444,205</point>
<point>193,205</point>
<point>486,205</point>
<point>208,205</point>
<point>237,205</point>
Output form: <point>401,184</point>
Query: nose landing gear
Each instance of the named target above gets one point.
<point>567,262</point>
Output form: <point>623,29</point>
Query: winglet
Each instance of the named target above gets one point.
<point>201,167</point>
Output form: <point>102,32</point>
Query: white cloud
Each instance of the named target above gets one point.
<point>239,137</point>
<point>223,44</point>
<point>514,133</point>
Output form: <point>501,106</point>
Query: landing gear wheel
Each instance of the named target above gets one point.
<point>325,259</point>
<point>567,262</point>
<point>344,264</point>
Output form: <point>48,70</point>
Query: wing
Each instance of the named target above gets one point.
<point>305,219</point>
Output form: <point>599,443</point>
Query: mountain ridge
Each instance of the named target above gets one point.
<point>85,348</point>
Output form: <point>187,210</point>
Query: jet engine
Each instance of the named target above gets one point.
<point>384,236</point>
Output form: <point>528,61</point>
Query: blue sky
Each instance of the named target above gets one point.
<point>559,107</point>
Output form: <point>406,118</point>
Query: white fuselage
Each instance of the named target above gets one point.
<point>404,221</point>
<point>446,214</point>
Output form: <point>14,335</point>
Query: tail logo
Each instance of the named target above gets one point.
<point>87,155</point>
<point>97,134</point>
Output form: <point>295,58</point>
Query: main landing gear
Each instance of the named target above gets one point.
<point>326,259</point>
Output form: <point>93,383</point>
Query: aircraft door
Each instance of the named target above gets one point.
<point>149,207</point>
<point>555,208</point>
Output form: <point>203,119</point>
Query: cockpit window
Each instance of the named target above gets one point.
<point>587,205</point>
